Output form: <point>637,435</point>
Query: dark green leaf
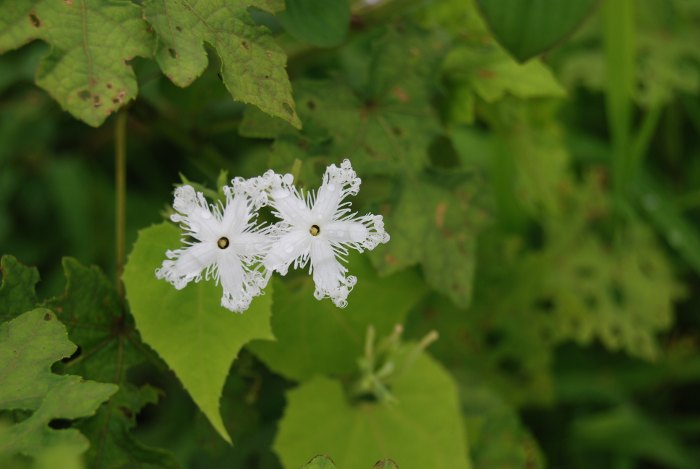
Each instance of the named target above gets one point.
<point>29,345</point>
<point>322,23</point>
<point>88,80</point>
<point>252,65</point>
<point>17,293</point>
<point>529,27</point>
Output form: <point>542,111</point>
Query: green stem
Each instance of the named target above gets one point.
<point>618,36</point>
<point>120,183</point>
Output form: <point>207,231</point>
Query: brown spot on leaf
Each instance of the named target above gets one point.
<point>440,211</point>
<point>311,105</point>
<point>34,20</point>
<point>390,259</point>
<point>84,95</point>
<point>488,74</point>
<point>47,317</point>
<point>178,29</point>
<point>109,86</point>
<point>119,98</point>
<point>400,94</point>
<point>172,52</point>
<point>288,109</point>
<point>96,101</point>
<point>68,2</point>
<point>245,45</point>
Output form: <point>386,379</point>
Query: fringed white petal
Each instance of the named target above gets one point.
<point>240,285</point>
<point>195,216</point>
<point>288,204</point>
<point>338,183</point>
<point>329,274</point>
<point>187,264</point>
<point>236,214</point>
<point>360,233</point>
<point>290,247</point>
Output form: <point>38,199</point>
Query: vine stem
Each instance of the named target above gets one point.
<point>120,188</point>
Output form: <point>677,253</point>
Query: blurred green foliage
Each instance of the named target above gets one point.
<point>544,219</point>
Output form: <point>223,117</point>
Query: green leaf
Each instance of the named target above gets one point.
<point>109,347</point>
<point>491,73</point>
<point>379,113</point>
<point>529,27</point>
<point>493,338</point>
<point>423,429</point>
<point>680,234</point>
<point>188,328</point>
<point>322,23</point>
<point>252,65</point>
<point>87,78</point>
<point>17,293</point>
<point>29,345</point>
<point>436,226</point>
<point>317,337</point>
<point>620,292</point>
<point>626,430</point>
<point>498,440</point>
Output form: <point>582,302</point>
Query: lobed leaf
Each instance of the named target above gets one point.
<point>108,347</point>
<point>17,293</point>
<point>188,328</point>
<point>87,69</point>
<point>252,65</point>
<point>423,429</point>
<point>30,344</point>
<point>322,23</point>
<point>435,226</point>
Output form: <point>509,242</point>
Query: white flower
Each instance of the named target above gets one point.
<point>320,227</point>
<point>222,243</point>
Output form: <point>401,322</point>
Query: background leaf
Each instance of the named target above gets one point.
<point>316,337</point>
<point>423,429</point>
<point>87,79</point>
<point>322,23</point>
<point>188,328</point>
<point>30,344</point>
<point>109,348</point>
<point>252,65</point>
<point>529,27</point>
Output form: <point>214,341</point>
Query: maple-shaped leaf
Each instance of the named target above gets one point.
<point>87,69</point>
<point>378,112</point>
<point>436,226</point>
<point>29,345</point>
<point>17,293</point>
<point>252,65</point>
<point>422,429</point>
<point>109,346</point>
<point>620,291</point>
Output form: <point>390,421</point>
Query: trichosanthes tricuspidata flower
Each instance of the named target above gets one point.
<point>320,227</point>
<point>221,242</point>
